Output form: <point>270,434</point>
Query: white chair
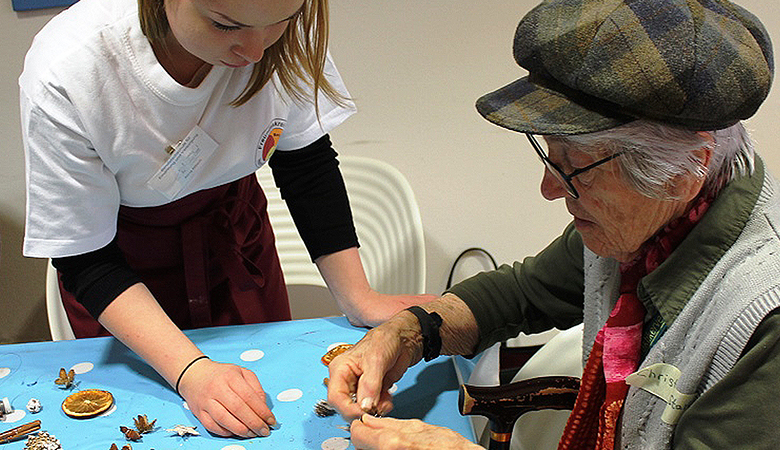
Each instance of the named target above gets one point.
<point>387,220</point>
<point>58,321</point>
<point>296,263</point>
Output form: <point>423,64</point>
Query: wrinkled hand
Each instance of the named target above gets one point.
<point>372,308</point>
<point>227,399</point>
<point>374,433</point>
<point>371,367</point>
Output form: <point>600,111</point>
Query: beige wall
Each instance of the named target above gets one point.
<point>22,310</point>
<point>414,69</point>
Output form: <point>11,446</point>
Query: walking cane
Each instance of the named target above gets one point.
<point>504,404</point>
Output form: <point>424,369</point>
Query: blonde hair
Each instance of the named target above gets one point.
<point>299,55</point>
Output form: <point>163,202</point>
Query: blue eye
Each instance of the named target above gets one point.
<point>223,27</point>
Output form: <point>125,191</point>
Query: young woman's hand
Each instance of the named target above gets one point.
<point>374,433</point>
<point>227,399</point>
<point>372,308</point>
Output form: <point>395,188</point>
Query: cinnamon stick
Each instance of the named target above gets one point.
<point>20,431</point>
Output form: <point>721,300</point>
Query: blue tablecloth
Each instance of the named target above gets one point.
<point>284,355</point>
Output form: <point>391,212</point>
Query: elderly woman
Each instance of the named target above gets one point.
<point>672,261</point>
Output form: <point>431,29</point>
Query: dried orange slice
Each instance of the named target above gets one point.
<point>87,403</point>
<point>334,352</point>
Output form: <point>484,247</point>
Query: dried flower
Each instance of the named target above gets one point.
<point>130,433</point>
<point>42,441</point>
<point>323,409</point>
<point>66,378</point>
<point>143,425</point>
<point>184,430</point>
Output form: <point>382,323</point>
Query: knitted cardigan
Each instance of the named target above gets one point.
<point>710,333</point>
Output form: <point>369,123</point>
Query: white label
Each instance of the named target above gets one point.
<point>661,380</point>
<point>182,165</point>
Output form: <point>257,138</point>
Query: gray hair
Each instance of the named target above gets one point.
<point>655,153</point>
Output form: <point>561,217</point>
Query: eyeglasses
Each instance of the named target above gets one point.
<point>559,174</point>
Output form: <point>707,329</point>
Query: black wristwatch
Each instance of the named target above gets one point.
<point>429,326</point>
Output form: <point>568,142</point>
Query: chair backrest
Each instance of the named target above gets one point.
<point>561,355</point>
<point>387,220</point>
<point>58,321</point>
<point>296,264</point>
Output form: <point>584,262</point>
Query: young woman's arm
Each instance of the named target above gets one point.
<point>227,399</point>
<point>347,282</point>
<point>311,184</point>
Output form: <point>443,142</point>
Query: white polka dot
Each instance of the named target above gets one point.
<point>83,367</point>
<point>252,355</point>
<point>335,344</point>
<point>335,443</point>
<point>15,416</point>
<point>186,406</point>
<point>393,389</point>
<point>234,447</point>
<point>110,410</point>
<point>4,372</point>
<point>290,395</point>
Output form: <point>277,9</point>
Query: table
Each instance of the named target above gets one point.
<point>284,355</point>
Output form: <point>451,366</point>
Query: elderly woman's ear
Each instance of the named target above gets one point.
<point>687,187</point>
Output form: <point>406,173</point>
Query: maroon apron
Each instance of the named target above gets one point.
<point>209,259</point>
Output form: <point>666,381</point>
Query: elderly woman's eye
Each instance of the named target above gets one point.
<point>586,178</point>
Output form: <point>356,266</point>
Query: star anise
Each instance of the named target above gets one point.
<point>143,425</point>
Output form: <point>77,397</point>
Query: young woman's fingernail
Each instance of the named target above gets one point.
<point>366,404</point>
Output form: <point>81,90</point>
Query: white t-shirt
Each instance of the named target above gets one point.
<point>98,112</point>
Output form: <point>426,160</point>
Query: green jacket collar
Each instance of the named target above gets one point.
<point>669,287</point>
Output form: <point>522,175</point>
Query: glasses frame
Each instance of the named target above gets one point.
<point>563,177</point>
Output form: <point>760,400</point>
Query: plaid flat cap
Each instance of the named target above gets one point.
<point>597,64</point>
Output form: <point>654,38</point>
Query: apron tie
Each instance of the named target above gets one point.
<point>221,233</point>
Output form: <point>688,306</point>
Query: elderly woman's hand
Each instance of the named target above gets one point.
<point>360,377</point>
<point>373,433</point>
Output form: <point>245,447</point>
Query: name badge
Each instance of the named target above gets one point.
<point>183,163</point>
<point>661,380</point>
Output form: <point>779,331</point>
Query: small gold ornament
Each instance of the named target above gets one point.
<point>334,352</point>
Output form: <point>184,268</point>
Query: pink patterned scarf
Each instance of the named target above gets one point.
<point>616,351</point>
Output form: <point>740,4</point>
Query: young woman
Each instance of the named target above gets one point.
<point>143,126</point>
